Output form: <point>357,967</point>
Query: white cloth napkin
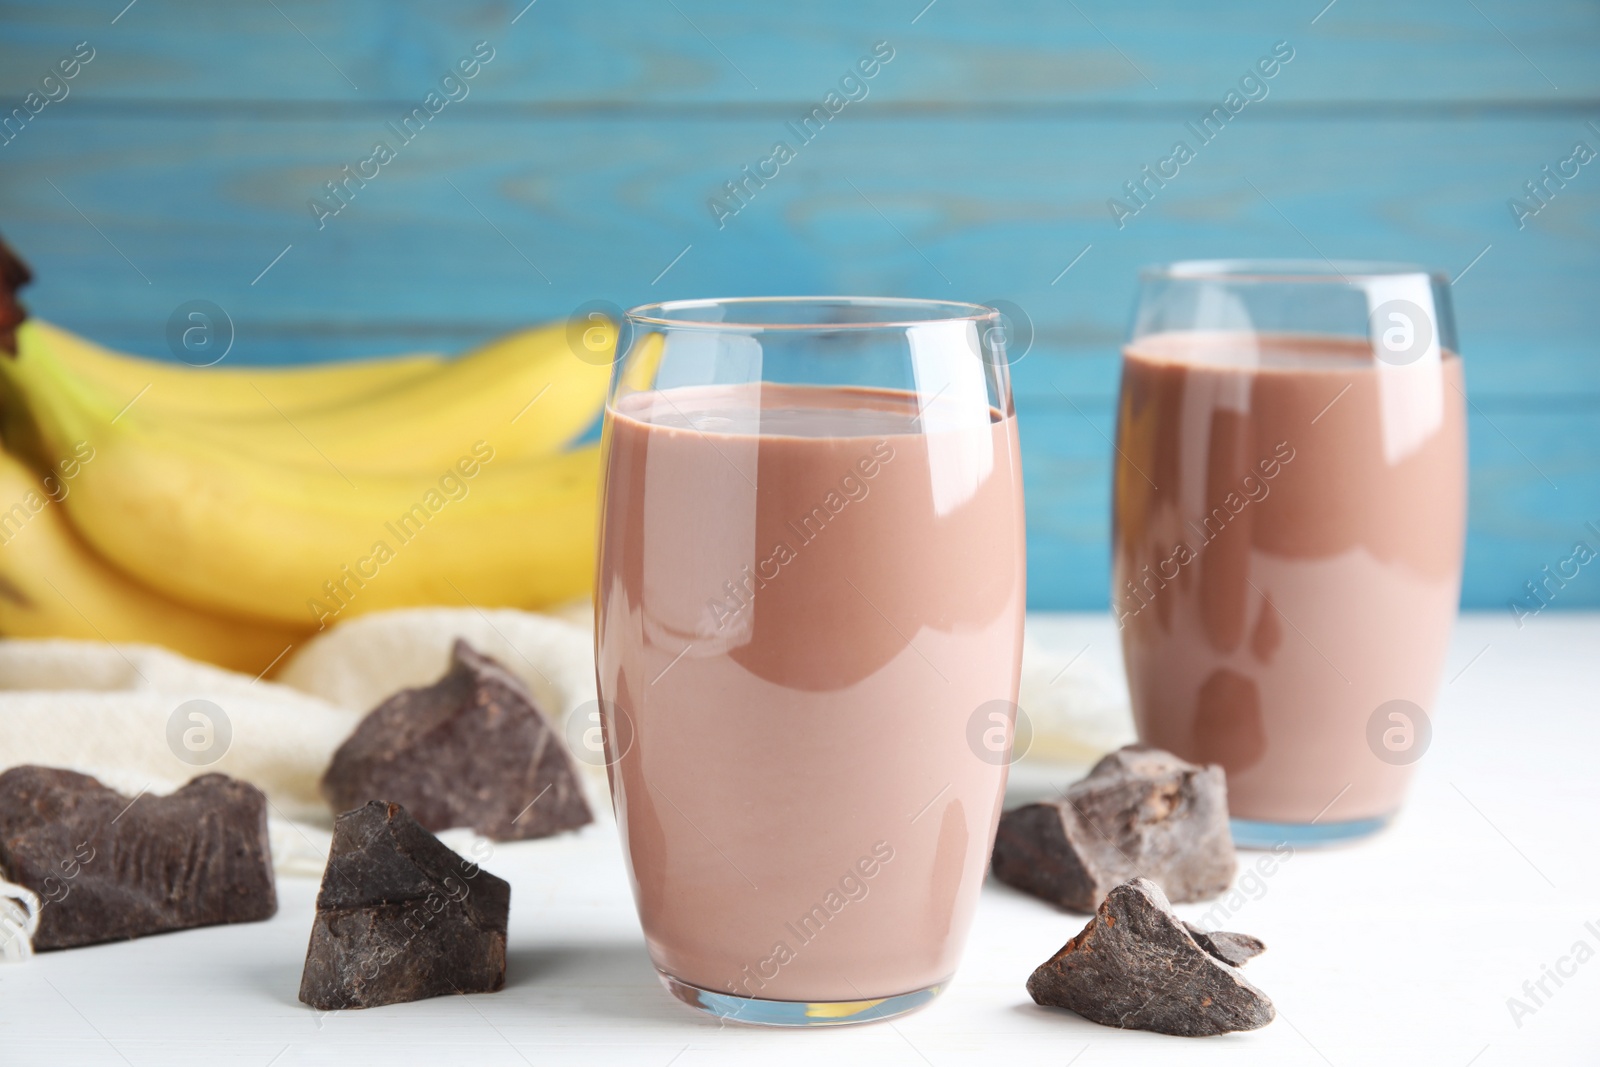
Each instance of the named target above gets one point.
<point>126,713</point>
<point>123,713</point>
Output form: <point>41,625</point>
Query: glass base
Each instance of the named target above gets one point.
<point>758,1012</point>
<point>1248,833</point>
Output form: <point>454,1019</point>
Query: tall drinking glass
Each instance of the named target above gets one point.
<point>808,633</point>
<point>1289,512</point>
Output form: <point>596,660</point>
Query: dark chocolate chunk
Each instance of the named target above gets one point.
<point>1140,813</point>
<point>472,750</point>
<point>401,917</point>
<point>108,867</point>
<point>1136,967</point>
<point>1230,948</point>
<point>14,274</point>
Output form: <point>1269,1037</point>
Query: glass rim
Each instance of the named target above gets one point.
<point>1287,271</point>
<point>924,311</point>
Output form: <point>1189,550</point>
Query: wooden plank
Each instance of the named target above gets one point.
<point>456,238</point>
<point>1024,52</point>
<point>976,208</point>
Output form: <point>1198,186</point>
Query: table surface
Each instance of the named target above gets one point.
<point>1403,949</point>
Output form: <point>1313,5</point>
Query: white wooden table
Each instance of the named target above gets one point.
<point>1403,949</point>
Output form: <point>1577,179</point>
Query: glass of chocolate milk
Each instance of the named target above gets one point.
<point>808,634</point>
<point>1289,507</point>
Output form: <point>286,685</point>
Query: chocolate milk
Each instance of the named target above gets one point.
<point>1289,518</point>
<point>805,594</point>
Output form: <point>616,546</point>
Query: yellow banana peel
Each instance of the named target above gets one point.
<point>219,391</point>
<point>527,391</point>
<point>303,543</point>
<point>54,585</point>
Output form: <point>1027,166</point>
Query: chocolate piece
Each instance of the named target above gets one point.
<point>14,274</point>
<point>1140,813</point>
<point>108,867</point>
<point>401,917</point>
<point>472,749</point>
<point>1230,948</point>
<point>1136,967</point>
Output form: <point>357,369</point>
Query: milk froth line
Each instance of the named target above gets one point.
<point>1183,553</point>
<point>1254,354</point>
<point>904,408</point>
<point>741,590</point>
<point>690,422</point>
<point>852,887</point>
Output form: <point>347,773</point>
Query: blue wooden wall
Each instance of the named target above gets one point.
<point>979,165</point>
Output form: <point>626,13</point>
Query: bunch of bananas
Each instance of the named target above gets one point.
<point>227,513</point>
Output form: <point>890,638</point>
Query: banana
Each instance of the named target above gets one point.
<point>219,391</point>
<point>53,585</point>
<point>303,543</point>
<point>527,390</point>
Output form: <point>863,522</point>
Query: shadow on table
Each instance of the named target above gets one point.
<point>614,980</point>
<point>605,980</point>
<point>281,982</point>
